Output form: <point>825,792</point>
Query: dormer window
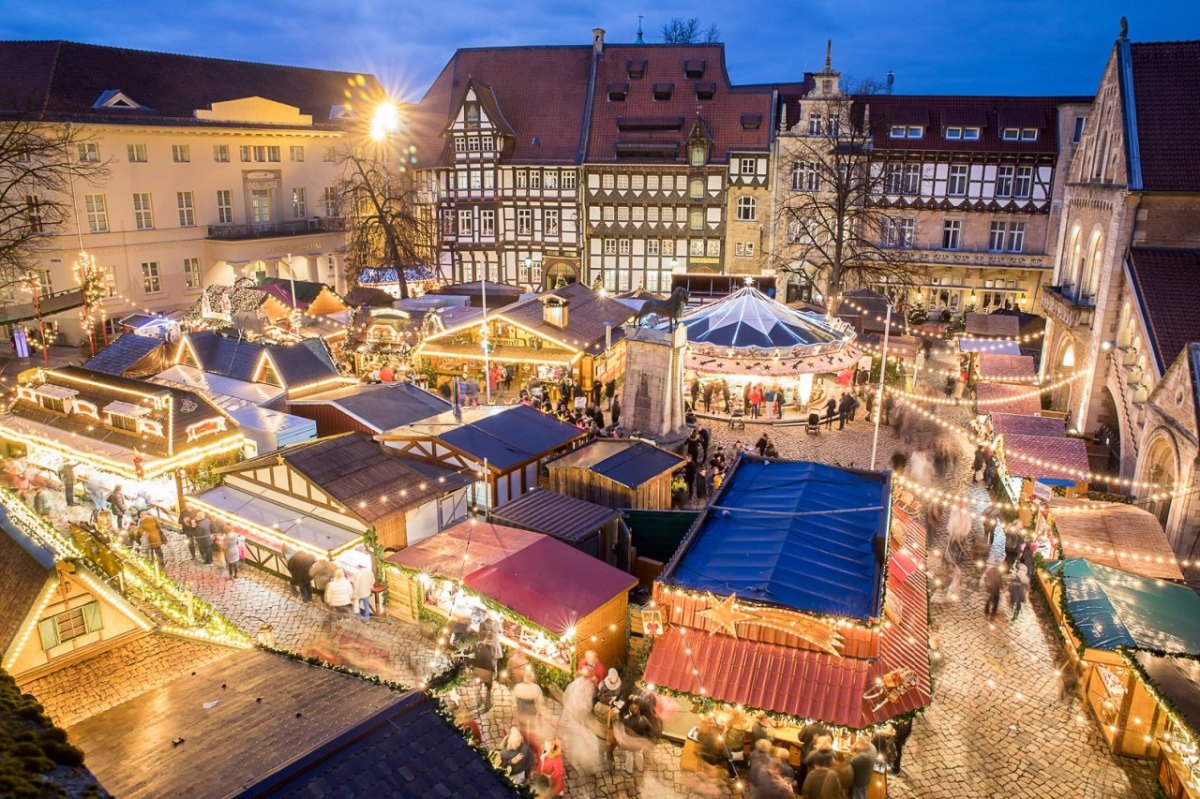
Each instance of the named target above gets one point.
<point>125,416</point>
<point>1029,134</point>
<point>471,111</point>
<point>636,68</point>
<point>617,92</point>
<point>705,90</point>
<point>965,134</point>
<point>693,68</point>
<point>971,134</point>
<point>57,399</point>
<point>906,132</point>
<point>663,91</point>
<point>697,155</point>
<point>954,133</point>
<point>751,121</point>
<point>116,99</point>
<point>1020,134</point>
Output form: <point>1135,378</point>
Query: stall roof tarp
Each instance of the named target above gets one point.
<point>294,522</point>
<point>558,516</point>
<point>1046,457</point>
<point>1013,368</point>
<point>798,535</point>
<point>1019,424</point>
<point>481,543</point>
<point>1113,608</point>
<point>1116,535</point>
<point>271,429</point>
<point>123,353</point>
<point>219,385</point>
<point>551,584</point>
<point>1177,680</point>
<point>990,324</point>
<point>988,345</point>
<point>629,463</point>
<point>382,406</point>
<point>511,437</point>
<point>1008,398</point>
<point>749,318</point>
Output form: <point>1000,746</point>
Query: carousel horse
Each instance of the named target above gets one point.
<point>671,308</point>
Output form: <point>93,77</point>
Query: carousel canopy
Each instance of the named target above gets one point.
<point>748,318</point>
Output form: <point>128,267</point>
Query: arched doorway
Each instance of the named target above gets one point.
<point>1063,367</point>
<point>1108,435</point>
<point>559,272</point>
<point>1161,470</point>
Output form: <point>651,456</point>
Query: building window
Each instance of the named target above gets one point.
<point>221,153</point>
<point>610,246</point>
<point>639,213</point>
<point>902,179</point>
<point>1007,237</point>
<point>1029,134</point>
<point>744,249</point>
<point>260,206</point>
<point>448,228</point>
<point>487,143</point>
<point>623,247</point>
<point>535,178</point>
<point>191,273</point>
<point>652,213</point>
<point>329,153</point>
<point>330,200</point>
<point>460,144</point>
<point>136,153</point>
<point>747,166</point>
<point>473,144</point>
<point>668,247</point>
<point>299,206</point>
<point>143,212</point>
<point>951,234</point>
<point>33,213</point>
<point>652,247</point>
<point>696,192</point>
<point>712,248</point>
<point>466,223</point>
<point>97,213</point>
<point>622,182</point>
<point>487,222</point>
<point>89,152</point>
<point>1011,134</point>
<point>524,221</point>
<point>608,213</point>
<point>187,208</point>
<point>652,183</point>
<point>696,155</point>
<point>696,220</point>
<point>637,182</point>
<point>489,179</point>
<point>696,248</point>
<point>898,232</point>
<point>814,125</point>
<point>224,206</point>
<point>471,111</point>
<point>69,625</point>
<point>954,133</point>
<point>522,179</point>
<point>747,209</point>
<point>475,179</point>
<point>607,181</point>
<point>260,153</point>
<point>150,278</point>
<point>971,134</point>
<point>805,176</point>
<point>1004,181</point>
<point>957,184</point>
<point>181,153</point>
<point>1077,131</point>
<point>906,132</point>
<point>45,282</point>
<point>551,218</point>
<point>297,152</point>
<point>551,179</point>
<point>568,179</point>
<point>1023,186</point>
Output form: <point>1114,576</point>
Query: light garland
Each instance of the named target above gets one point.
<point>967,401</point>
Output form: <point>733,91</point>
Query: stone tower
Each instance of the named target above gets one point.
<point>652,399</point>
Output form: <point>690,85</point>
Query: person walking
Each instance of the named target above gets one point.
<point>903,730</point>
<point>822,782</point>
<point>363,584</point>
<point>118,504</point>
<point>231,545</point>
<point>517,755</point>
<point>863,763</point>
<point>67,475</point>
<point>187,524</point>
<point>614,411</point>
<point>204,539</point>
<point>844,405</point>
<point>485,661</point>
<point>1018,589</point>
<point>299,564</point>
<point>528,698</point>
<point>992,583</point>
<point>694,446</point>
<point>830,411</point>
<point>152,533</point>
<point>95,490</point>
<point>690,470</point>
<point>977,464</point>
<point>761,445</point>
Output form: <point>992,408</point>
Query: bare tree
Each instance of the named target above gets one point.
<point>386,225</point>
<point>856,86</point>
<point>39,162</point>
<point>687,31</point>
<point>837,232</point>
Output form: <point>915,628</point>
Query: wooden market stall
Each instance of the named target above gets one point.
<point>842,631</point>
<point>1001,368</point>
<point>1174,683</point>
<point>1112,534</point>
<point>1101,611</point>
<point>551,601</point>
<point>592,529</point>
<point>616,473</point>
<point>1007,398</point>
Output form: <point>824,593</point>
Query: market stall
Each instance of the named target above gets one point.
<point>617,473</point>
<point>1000,368</point>
<point>1102,612</point>
<point>150,439</point>
<point>592,529</point>
<point>843,632</point>
<point>747,338</point>
<point>548,599</point>
<point>1174,683</point>
<point>1111,534</point>
<point>1007,398</point>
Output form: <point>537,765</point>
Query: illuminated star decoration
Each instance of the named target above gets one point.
<point>725,615</point>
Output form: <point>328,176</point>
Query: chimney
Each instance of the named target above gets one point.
<point>554,311</point>
<point>597,40</point>
<point>891,81</point>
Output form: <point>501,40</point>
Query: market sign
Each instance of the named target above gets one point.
<point>201,429</point>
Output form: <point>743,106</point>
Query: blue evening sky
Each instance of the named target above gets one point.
<point>971,46</point>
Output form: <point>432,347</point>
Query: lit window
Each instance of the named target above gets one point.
<point>97,213</point>
<point>143,213</point>
<point>747,209</point>
<point>487,222</point>
<point>69,625</point>
<point>191,273</point>
<point>221,153</point>
<point>299,203</point>
<point>181,153</point>
<point>696,220</point>
<point>697,189</point>
<point>697,155</point>
<point>187,208</point>
<point>136,153</point>
<point>551,218</point>
<point>610,246</point>
<point>150,277</point>
<point>524,221</point>
<point>623,247</point>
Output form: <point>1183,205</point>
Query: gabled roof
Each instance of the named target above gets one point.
<point>629,463</point>
<point>565,518</point>
<point>1167,111</point>
<point>1168,293</point>
<point>62,81</point>
<point>511,437</point>
<point>130,355</point>
<point>1008,398</point>
<point>369,479</point>
<point>1007,368</point>
<point>1050,458</point>
<point>306,291</point>
<point>587,313</point>
<point>792,534</point>
<point>27,567</point>
<point>298,364</point>
<point>381,406</point>
<point>1019,424</point>
<point>1116,535</point>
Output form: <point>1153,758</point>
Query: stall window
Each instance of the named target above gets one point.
<point>121,422</point>
<point>70,624</point>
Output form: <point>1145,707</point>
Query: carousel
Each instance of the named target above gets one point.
<point>748,339</point>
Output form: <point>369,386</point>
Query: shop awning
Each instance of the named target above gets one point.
<point>1116,535</point>
<point>1111,608</point>
<point>1046,458</point>
<point>279,524</point>
<point>55,392</point>
<point>1008,398</point>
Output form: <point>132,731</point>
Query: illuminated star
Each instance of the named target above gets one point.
<point>725,615</point>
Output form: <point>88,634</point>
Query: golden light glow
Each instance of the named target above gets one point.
<point>385,120</point>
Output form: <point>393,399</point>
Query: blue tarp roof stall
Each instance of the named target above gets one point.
<point>636,464</point>
<point>122,354</point>
<point>793,534</point>
<point>1113,608</point>
<point>511,437</point>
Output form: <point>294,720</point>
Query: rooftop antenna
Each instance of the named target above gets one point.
<point>828,55</point>
<point>639,39</point>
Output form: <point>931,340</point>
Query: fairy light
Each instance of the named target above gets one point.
<point>966,401</point>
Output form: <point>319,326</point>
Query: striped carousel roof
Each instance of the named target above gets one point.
<point>747,318</point>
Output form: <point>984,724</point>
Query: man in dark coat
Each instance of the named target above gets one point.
<point>695,447</point>
<point>830,411</point>
<point>203,535</point>
<point>299,565</point>
<point>844,406</point>
<point>614,408</point>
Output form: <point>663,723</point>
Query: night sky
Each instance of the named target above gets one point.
<point>968,47</point>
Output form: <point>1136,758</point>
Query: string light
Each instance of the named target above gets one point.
<point>967,401</point>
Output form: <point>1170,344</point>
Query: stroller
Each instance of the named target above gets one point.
<point>814,424</point>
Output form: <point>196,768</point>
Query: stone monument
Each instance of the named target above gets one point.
<point>652,397</point>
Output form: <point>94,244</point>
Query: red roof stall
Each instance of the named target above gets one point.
<point>551,600</point>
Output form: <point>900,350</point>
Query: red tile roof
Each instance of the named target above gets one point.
<point>1007,398</point>
<point>1165,75</point>
<point>722,115</point>
<point>1166,285</point>
<point>63,80</point>
<point>1045,456</point>
<point>540,91</point>
<point>1007,368</point>
<point>1013,423</point>
<point>805,683</point>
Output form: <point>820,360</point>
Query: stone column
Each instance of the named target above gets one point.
<point>652,397</point>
